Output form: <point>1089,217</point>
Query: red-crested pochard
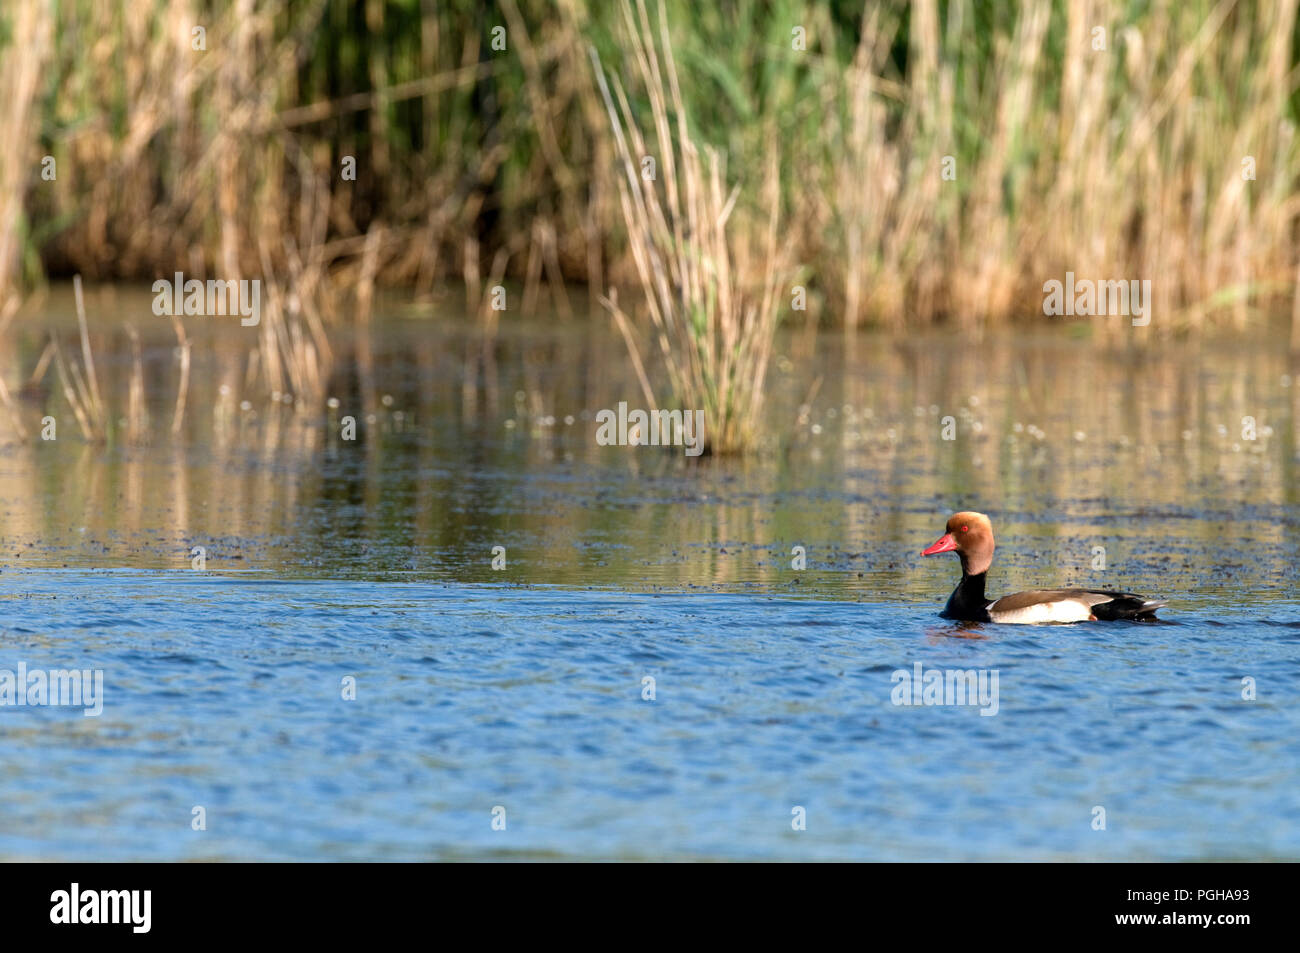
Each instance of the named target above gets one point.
<point>970,536</point>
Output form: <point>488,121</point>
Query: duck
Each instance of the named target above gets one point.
<point>970,536</point>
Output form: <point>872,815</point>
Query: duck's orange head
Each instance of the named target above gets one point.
<point>970,536</point>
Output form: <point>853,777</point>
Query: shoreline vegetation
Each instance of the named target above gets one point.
<point>893,166</point>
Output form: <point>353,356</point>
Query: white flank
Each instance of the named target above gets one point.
<point>1066,610</point>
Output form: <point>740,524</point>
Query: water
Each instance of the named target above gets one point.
<point>522,688</point>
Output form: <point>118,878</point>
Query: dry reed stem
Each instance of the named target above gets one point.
<point>22,74</point>
<point>81,388</point>
<point>711,292</point>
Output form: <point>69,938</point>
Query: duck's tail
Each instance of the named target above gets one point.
<point>1127,605</point>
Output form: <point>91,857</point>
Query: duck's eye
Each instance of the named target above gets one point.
<point>965,528</point>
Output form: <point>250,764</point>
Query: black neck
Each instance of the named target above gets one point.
<point>971,588</point>
<point>967,601</point>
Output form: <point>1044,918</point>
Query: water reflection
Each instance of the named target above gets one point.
<point>935,634</point>
<point>1170,457</point>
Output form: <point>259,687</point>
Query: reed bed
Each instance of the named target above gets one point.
<point>1161,147</point>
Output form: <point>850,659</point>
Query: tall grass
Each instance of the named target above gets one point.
<point>297,112</point>
<point>711,295</point>
<point>1122,161</point>
<point>1119,162</point>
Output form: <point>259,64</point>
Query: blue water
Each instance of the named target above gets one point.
<point>521,687</point>
<point>224,692</point>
